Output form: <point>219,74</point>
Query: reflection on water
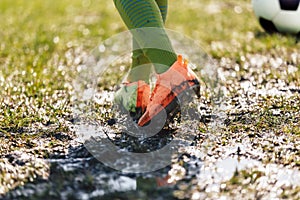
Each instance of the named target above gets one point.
<point>216,176</point>
<point>81,176</point>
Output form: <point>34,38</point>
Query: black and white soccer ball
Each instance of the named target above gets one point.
<point>278,15</point>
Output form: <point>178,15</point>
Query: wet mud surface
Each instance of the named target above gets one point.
<point>253,154</point>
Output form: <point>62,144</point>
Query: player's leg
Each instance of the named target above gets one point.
<point>141,66</point>
<point>174,77</point>
<point>134,13</point>
<point>134,94</point>
<point>178,75</point>
<point>138,56</point>
<point>171,83</point>
<point>144,19</point>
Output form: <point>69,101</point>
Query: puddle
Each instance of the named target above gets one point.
<point>218,175</point>
<point>79,175</point>
<point>224,170</point>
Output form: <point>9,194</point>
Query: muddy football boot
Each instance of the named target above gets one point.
<point>171,86</point>
<point>133,98</point>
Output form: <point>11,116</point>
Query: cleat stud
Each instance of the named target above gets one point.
<point>185,63</point>
<point>179,58</point>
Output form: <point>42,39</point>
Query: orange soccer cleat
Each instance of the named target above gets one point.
<point>133,98</point>
<point>170,86</point>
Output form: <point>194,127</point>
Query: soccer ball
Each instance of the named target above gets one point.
<point>278,15</point>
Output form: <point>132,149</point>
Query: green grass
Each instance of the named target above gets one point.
<point>37,37</point>
<point>40,40</point>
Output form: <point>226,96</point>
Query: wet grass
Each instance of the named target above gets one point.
<point>43,43</point>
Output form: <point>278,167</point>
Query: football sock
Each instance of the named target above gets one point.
<point>154,43</point>
<point>141,65</point>
<point>163,7</point>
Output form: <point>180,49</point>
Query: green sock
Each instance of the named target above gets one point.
<point>141,65</point>
<point>146,13</point>
<point>140,72</point>
<point>163,7</point>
